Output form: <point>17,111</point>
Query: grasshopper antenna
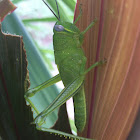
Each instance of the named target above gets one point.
<point>58,17</point>
<point>57,9</point>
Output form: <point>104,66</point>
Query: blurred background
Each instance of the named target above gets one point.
<point>38,22</point>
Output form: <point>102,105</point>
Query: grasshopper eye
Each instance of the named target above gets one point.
<point>59,28</point>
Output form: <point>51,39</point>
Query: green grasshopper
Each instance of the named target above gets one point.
<point>71,61</point>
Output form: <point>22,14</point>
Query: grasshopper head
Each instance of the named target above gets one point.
<point>68,29</point>
<point>65,27</point>
<point>66,35</point>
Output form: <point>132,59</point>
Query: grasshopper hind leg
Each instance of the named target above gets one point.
<point>68,92</point>
<point>80,110</point>
<point>33,91</point>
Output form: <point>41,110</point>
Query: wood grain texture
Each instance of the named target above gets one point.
<point>112,90</point>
